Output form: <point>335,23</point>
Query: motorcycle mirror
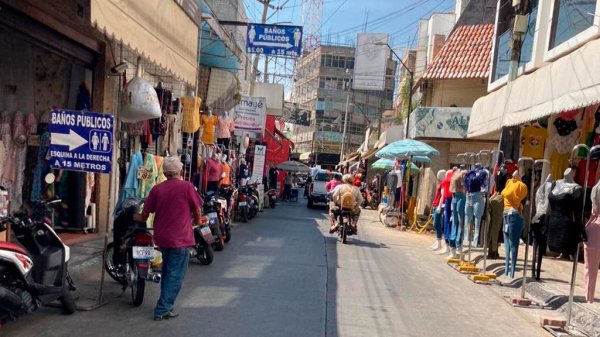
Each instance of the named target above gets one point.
<point>50,178</point>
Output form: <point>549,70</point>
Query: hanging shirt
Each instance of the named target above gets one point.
<point>533,140</point>
<point>150,175</point>
<point>209,124</point>
<point>226,180</point>
<point>438,196</point>
<point>190,115</point>
<point>446,185</point>
<point>214,169</point>
<point>514,193</point>
<point>131,182</point>
<point>225,127</point>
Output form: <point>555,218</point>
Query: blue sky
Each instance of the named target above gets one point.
<point>340,17</point>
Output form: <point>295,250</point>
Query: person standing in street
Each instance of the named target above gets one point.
<point>173,202</point>
<point>287,186</point>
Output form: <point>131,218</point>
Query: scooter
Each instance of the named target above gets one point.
<point>212,209</point>
<point>129,258</point>
<point>241,204</point>
<point>272,195</point>
<point>24,284</point>
<point>204,240</point>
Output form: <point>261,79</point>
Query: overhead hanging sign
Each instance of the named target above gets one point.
<point>81,141</point>
<point>370,62</point>
<point>275,40</point>
<point>250,114</point>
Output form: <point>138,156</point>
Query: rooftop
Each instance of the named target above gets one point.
<point>466,54</point>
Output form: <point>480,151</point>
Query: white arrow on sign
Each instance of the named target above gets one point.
<point>73,140</point>
<point>286,45</point>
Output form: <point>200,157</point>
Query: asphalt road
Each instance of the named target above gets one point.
<point>283,275</point>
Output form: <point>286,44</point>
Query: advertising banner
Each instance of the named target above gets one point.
<point>439,122</point>
<point>370,62</point>
<point>250,114</point>
<point>258,168</point>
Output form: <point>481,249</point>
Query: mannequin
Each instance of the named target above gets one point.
<point>591,246</point>
<point>564,216</point>
<point>476,182</point>
<point>243,173</point>
<point>539,227</point>
<point>398,189</point>
<point>209,124</point>
<point>514,193</point>
<point>457,188</point>
<point>437,209</point>
<point>225,124</point>
<point>214,170</point>
<point>447,205</point>
<point>226,175</point>
<point>190,115</point>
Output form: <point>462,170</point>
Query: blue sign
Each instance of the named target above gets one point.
<point>274,40</point>
<point>81,141</point>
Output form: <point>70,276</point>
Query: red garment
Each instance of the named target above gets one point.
<point>580,178</point>
<point>214,169</point>
<point>438,196</point>
<point>357,181</point>
<point>173,202</point>
<point>446,185</point>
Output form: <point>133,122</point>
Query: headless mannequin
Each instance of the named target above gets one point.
<point>209,124</point>
<point>514,193</point>
<point>225,124</point>
<point>215,170</point>
<point>591,246</point>
<point>565,224</point>
<point>476,182</point>
<point>447,214</point>
<point>243,173</point>
<point>539,227</point>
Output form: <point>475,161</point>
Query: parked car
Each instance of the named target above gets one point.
<point>317,193</point>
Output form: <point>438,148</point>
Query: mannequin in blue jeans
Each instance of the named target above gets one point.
<point>458,212</point>
<point>513,226</point>
<point>474,208</point>
<point>437,210</point>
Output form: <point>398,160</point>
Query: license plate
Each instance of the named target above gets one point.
<point>142,252</point>
<point>242,203</point>
<point>212,216</point>
<point>207,235</point>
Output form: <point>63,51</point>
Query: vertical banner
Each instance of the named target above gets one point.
<point>250,114</point>
<point>370,62</point>
<point>258,168</point>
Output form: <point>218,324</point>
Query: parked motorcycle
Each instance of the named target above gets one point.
<point>370,197</point>
<point>204,238</point>
<point>272,195</point>
<point>36,271</point>
<point>253,200</point>
<point>128,258</point>
<point>241,204</point>
<point>212,210</point>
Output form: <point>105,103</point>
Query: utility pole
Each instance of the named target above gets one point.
<point>263,20</point>
<point>345,128</point>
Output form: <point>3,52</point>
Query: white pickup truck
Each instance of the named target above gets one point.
<point>317,193</point>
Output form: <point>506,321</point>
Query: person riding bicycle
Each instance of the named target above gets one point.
<point>345,196</point>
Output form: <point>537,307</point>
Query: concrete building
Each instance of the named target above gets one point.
<point>323,86</point>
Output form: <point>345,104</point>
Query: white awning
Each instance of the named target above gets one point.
<point>568,83</point>
<point>156,29</point>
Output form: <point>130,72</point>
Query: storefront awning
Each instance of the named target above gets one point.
<point>156,29</point>
<point>568,83</point>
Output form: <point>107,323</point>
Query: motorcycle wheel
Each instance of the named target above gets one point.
<point>374,203</point>
<point>227,234</point>
<point>138,285</point>
<point>204,253</point>
<point>219,245</point>
<point>67,301</point>
<point>245,214</point>
<point>110,268</point>
<point>344,233</point>
<point>272,203</point>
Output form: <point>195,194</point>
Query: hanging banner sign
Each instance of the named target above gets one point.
<point>250,114</point>
<point>81,141</point>
<point>260,151</point>
<point>275,40</point>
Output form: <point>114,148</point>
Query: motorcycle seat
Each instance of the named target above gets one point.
<point>12,247</point>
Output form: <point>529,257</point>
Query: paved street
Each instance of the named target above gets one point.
<point>282,276</point>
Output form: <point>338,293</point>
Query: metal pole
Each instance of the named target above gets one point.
<point>263,20</point>
<point>410,85</point>
<point>345,128</point>
<point>471,164</point>
<point>575,261</point>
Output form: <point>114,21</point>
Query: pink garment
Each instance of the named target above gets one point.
<point>225,125</point>
<point>591,251</point>
<point>214,169</point>
<point>173,203</point>
<point>332,184</point>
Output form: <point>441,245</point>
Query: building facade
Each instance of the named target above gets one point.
<point>323,86</point>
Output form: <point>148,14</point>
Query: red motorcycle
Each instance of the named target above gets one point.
<point>370,196</point>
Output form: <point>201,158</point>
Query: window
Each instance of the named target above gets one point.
<point>321,83</point>
<point>350,63</point>
<point>570,18</point>
<point>342,63</point>
<point>335,61</point>
<point>323,60</point>
<point>502,57</point>
<point>527,47</point>
<point>328,60</point>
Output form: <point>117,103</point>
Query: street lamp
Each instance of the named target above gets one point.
<point>410,83</point>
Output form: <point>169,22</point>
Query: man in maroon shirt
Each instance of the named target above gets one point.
<point>173,202</point>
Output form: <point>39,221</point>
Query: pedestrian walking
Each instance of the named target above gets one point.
<point>287,186</point>
<point>173,202</point>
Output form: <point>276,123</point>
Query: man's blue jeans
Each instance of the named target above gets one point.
<point>458,219</point>
<point>438,222</point>
<point>473,213</point>
<point>512,228</point>
<point>447,219</point>
<point>174,266</point>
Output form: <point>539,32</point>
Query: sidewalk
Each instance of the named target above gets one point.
<point>551,292</point>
